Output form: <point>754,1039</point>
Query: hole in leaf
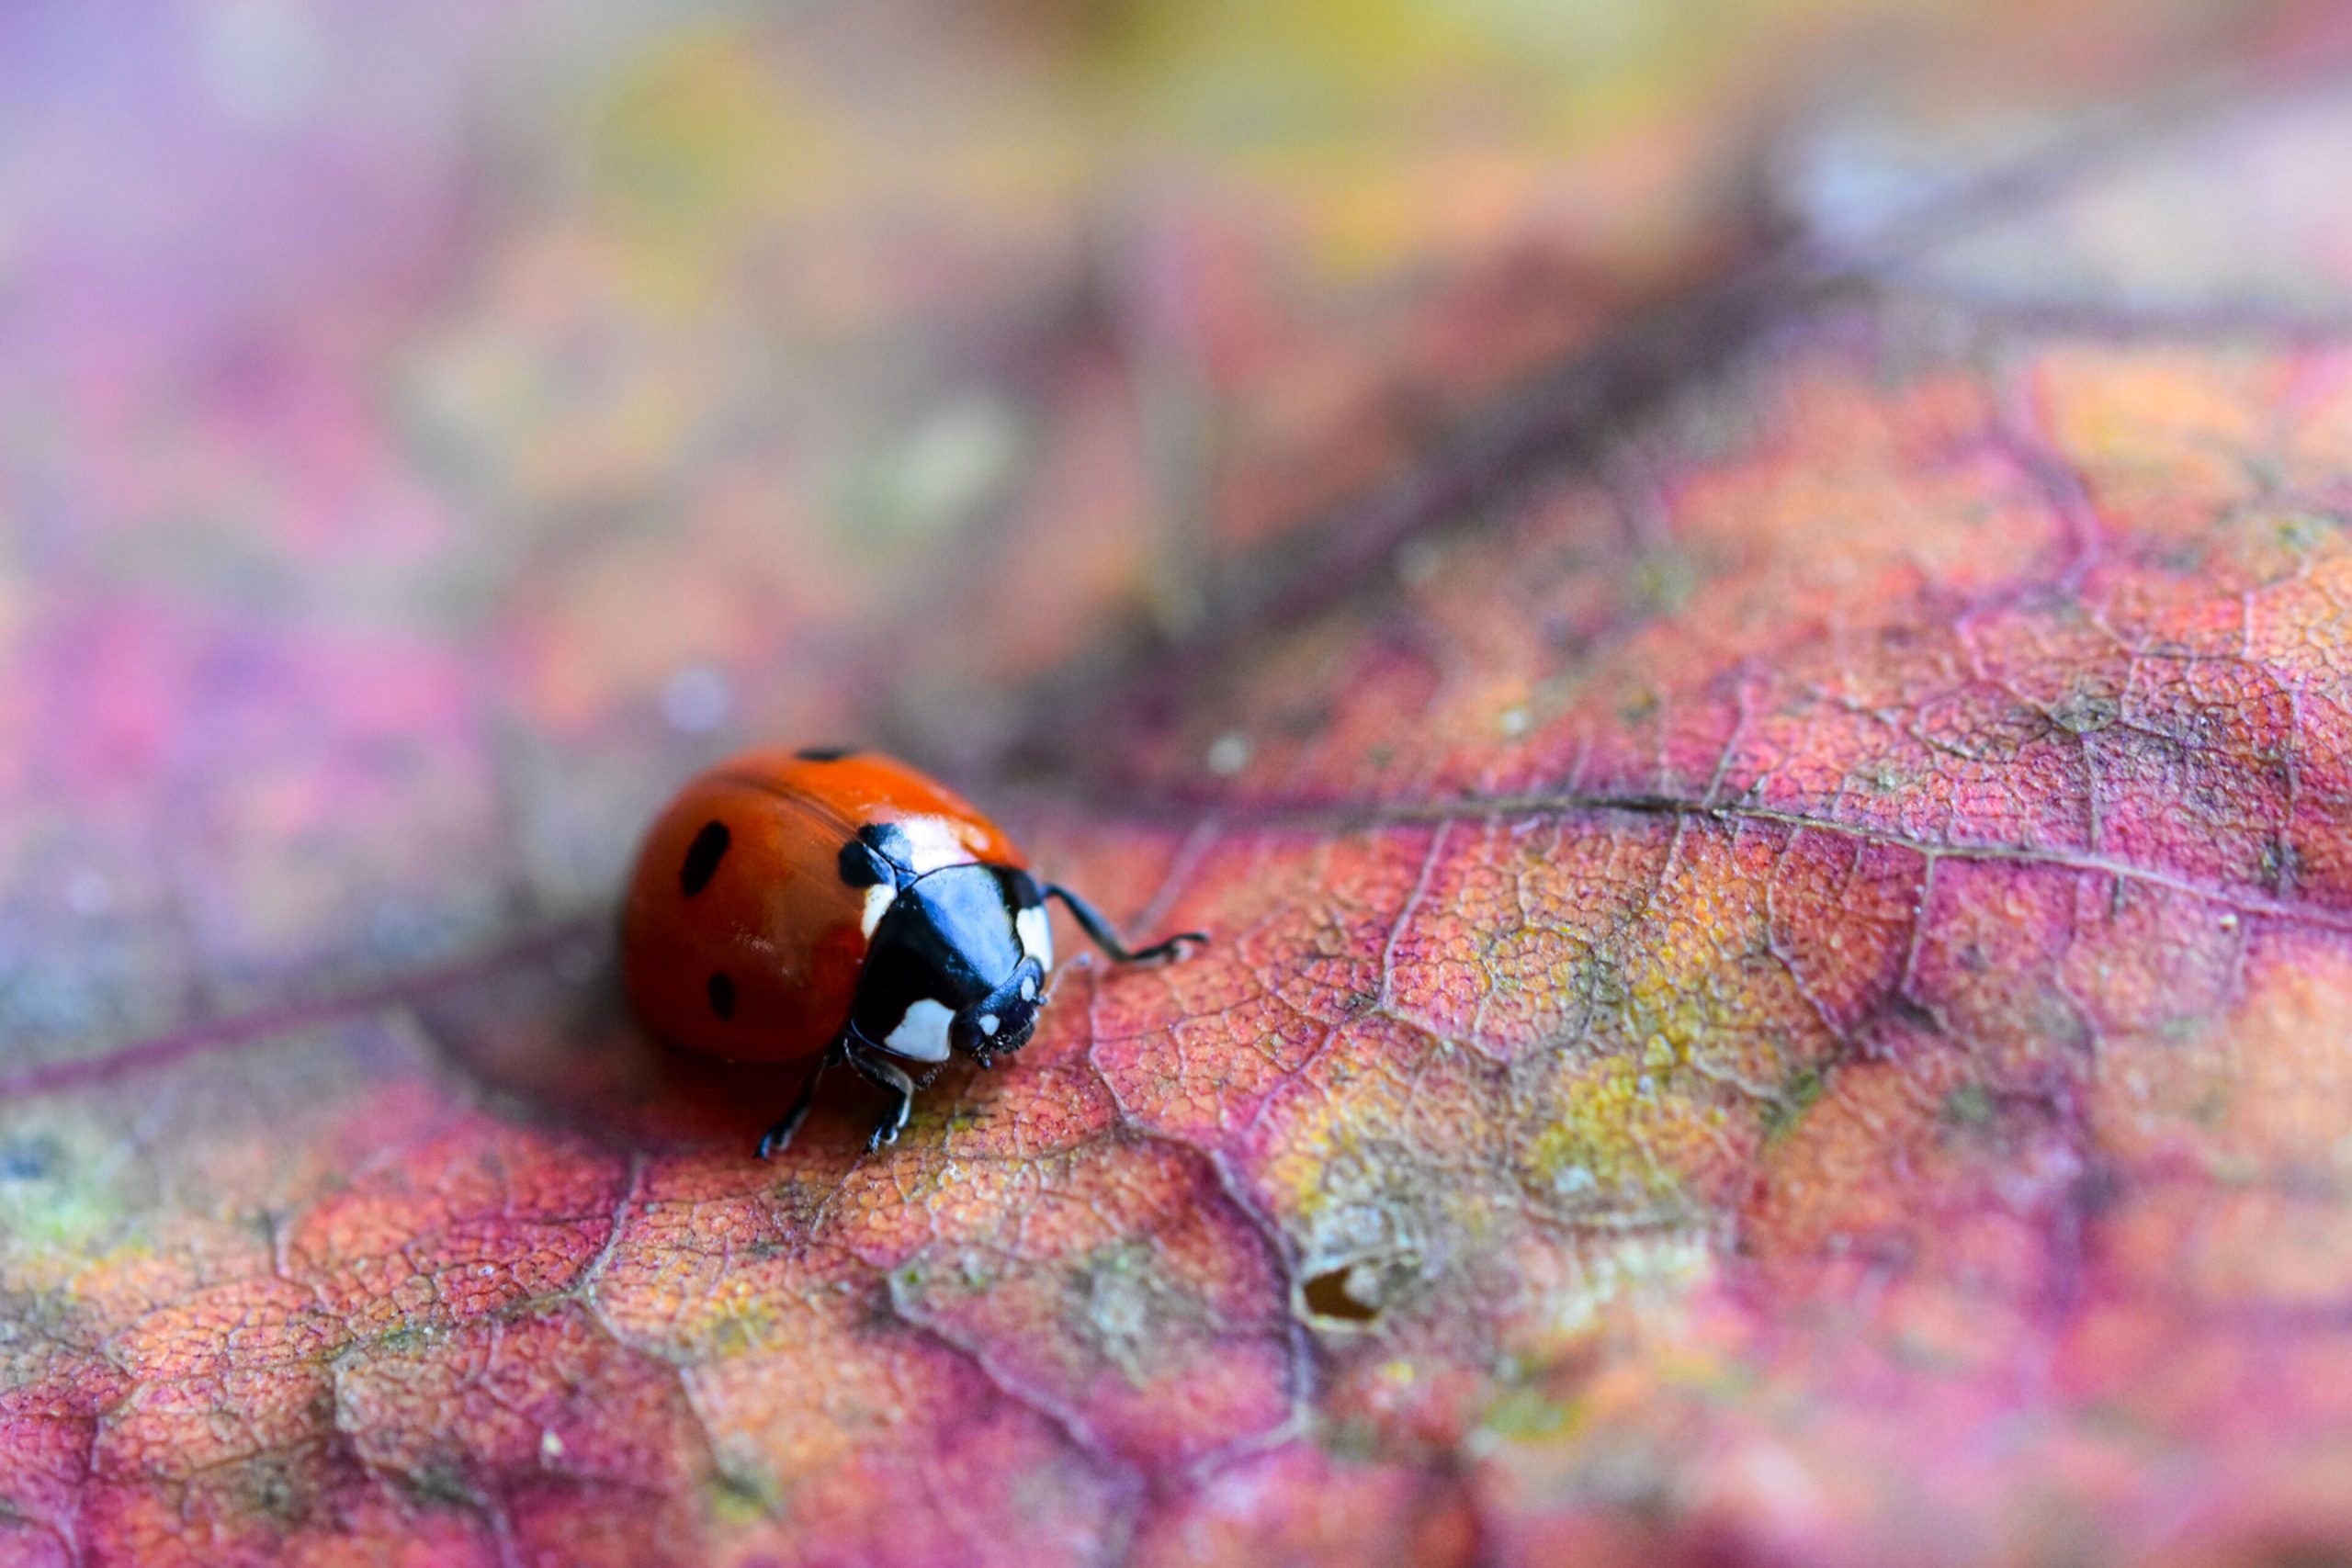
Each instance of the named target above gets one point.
<point>1332,1293</point>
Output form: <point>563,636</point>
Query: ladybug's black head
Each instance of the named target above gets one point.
<point>957,962</point>
<point>1000,1022</point>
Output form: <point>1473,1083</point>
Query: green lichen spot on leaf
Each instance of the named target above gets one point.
<point>1797,1094</point>
<point>1968,1106</point>
<point>740,1495</point>
<point>1527,1415</point>
<point>1663,582</point>
<point>2086,712</point>
<point>441,1484</point>
<point>2306,533</point>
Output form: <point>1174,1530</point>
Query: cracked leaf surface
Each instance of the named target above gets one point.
<point>1781,961</point>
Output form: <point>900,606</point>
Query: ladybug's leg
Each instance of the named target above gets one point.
<point>778,1137</point>
<point>884,1073</point>
<point>1095,926</point>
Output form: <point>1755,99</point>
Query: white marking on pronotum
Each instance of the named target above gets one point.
<point>878,904</point>
<point>933,842</point>
<point>1036,935</point>
<point>989,1024</point>
<point>921,1035</point>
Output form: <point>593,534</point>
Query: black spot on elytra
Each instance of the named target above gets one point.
<point>722,996</point>
<point>703,857</point>
<point>825,753</point>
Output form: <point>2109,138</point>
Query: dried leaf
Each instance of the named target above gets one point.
<point>1779,890</point>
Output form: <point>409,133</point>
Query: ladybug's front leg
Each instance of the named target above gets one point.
<point>1090,921</point>
<point>884,1073</point>
<point>779,1137</point>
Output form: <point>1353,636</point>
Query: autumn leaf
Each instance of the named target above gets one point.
<point>1776,844</point>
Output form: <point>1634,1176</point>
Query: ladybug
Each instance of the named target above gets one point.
<point>841,906</point>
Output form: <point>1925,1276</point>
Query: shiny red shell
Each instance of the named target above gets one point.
<point>751,949</point>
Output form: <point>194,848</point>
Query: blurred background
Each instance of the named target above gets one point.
<point>459,418</point>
